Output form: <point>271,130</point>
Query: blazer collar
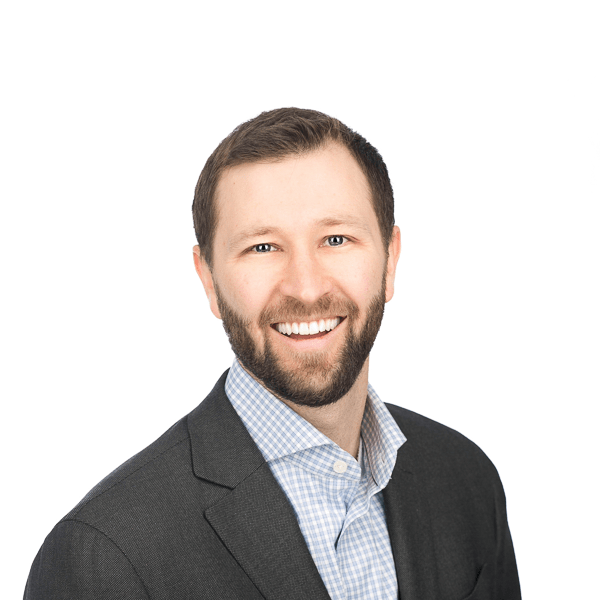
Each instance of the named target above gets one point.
<point>223,451</point>
<point>254,518</point>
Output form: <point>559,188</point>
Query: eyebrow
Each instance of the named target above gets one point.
<point>338,221</point>
<point>344,221</point>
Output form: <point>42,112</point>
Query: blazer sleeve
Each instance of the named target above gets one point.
<point>79,562</point>
<point>507,576</point>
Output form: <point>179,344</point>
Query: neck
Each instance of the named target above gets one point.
<point>340,421</point>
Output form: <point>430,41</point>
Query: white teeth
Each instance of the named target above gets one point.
<point>311,328</point>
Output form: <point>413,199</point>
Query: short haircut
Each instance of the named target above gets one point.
<point>275,135</point>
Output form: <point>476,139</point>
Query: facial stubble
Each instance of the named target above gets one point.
<point>317,379</point>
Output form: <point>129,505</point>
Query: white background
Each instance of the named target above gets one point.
<point>487,117</point>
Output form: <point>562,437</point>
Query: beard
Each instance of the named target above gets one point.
<point>316,379</point>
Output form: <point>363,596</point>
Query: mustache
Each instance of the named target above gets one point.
<point>292,309</point>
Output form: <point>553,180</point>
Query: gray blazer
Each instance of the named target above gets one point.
<point>199,515</point>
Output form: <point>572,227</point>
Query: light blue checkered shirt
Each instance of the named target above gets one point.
<point>338,500</point>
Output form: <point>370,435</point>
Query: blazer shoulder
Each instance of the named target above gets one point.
<point>156,479</point>
<point>156,460</point>
<point>438,444</point>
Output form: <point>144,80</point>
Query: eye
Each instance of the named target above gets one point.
<point>335,240</point>
<point>262,248</point>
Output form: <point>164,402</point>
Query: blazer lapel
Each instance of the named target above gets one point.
<point>258,526</point>
<point>253,519</point>
<point>410,532</point>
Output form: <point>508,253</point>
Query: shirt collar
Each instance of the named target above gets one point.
<point>382,437</point>
<point>278,431</point>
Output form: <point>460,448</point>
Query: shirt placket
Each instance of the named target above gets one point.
<point>341,475</point>
<point>359,510</point>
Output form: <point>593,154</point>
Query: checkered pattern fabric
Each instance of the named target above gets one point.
<point>337,499</point>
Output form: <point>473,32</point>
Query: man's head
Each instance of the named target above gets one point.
<point>294,219</point>
<point>278,134</point>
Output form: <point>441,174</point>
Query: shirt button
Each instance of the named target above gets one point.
<point>339,466</point>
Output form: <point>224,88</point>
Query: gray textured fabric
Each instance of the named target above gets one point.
<point>198,514</point>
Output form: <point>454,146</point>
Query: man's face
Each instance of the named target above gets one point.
<point>300,275</point>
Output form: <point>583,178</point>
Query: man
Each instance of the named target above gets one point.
<point>292,479</point>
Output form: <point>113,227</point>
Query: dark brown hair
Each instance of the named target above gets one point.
<point>275,135</point>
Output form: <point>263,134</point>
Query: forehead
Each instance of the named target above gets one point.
<point>294,194</point>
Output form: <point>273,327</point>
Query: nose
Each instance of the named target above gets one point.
<point>305,278</point>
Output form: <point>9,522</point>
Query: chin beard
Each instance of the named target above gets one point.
<point>316,379</point>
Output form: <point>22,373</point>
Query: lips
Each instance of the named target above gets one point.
<point>311,329</point>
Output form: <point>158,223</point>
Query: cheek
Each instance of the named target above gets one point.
<point>250,293</point>
<point>363,280</point>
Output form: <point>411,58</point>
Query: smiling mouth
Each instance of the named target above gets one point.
<point>307,329</point>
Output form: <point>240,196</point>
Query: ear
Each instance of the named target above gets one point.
<point>206,277</point>
<point>394,255</point>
